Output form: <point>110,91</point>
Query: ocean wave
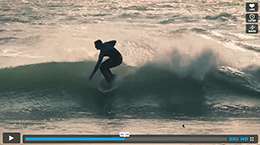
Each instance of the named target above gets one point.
<point>138,8</point>
<point>150,79</point>
<point>178,19</point>
<point>13,19</point>
<point>7,38</point>
<point>250,47</point>
<point>233,80</point>
<point>45,88</point>
<point>56,84</point>
<point>222,17</point>
<point>130,15</point>
<point>75,75</point>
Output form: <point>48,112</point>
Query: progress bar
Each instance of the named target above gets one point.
<point>72,139</point>
<point>140,139</point>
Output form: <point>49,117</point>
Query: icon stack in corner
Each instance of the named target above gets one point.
<point>11,138</point>
<point>251,17</point>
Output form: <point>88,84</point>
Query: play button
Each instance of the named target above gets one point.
<point>11,137</point>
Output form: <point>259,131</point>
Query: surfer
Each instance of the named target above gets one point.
<point>115,59</point>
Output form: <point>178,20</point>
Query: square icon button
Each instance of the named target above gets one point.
<point>251,7</point>
<point>252,18</point>
<point>252,28</point>
<point>11,138</point>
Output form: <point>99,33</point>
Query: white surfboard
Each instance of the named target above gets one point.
<point>104,88</point>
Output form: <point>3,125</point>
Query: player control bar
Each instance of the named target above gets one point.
<point>124,137</point>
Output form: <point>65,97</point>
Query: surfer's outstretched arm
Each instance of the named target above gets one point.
<point>100,58</point>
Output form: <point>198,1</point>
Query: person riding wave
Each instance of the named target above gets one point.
<point>115,59</point>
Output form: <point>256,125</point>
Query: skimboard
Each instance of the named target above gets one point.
<point>104,88</point>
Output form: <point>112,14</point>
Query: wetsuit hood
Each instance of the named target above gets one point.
<point>98,44</point>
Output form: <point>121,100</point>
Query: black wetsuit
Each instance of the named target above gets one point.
<point>115,59</point>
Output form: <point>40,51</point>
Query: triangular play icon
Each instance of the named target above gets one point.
<point>10,138</point>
